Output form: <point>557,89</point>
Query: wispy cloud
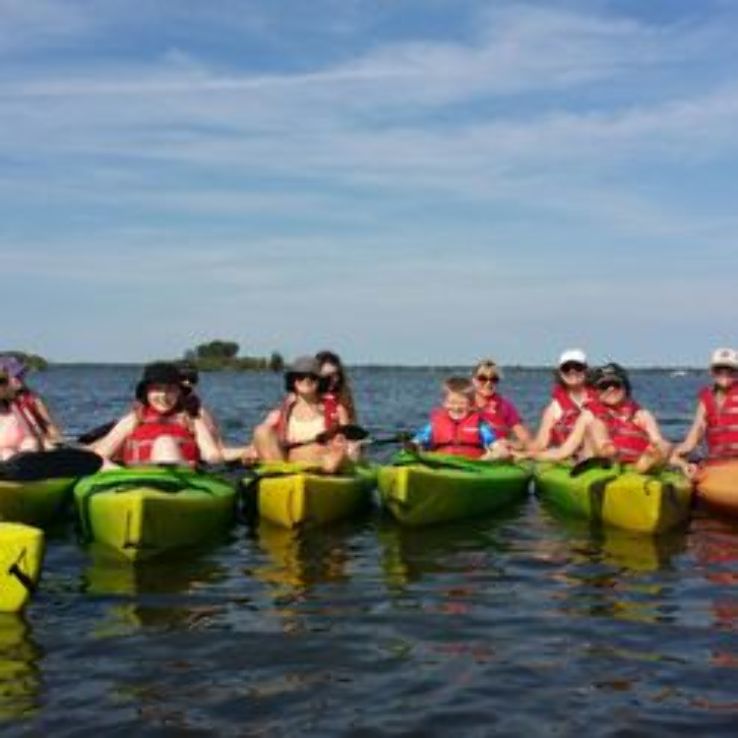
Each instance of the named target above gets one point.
<point>535,128</point>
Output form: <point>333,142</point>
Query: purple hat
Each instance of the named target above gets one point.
<point>13,366</point>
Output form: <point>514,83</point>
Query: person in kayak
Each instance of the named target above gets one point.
<point>612,425</point>
<point>290,432</point>
<point>716,416</point>
<point>16,434</point>
<point>499,412</point>
<point>29,403</point>
<point>568,398</point>
<point>457,428</point>
<point>159,430</point>
<point>334,383</point>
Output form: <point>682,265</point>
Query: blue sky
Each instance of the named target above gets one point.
<point>403,181</point>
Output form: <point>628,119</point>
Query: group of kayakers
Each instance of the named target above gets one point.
<point>591,413</point>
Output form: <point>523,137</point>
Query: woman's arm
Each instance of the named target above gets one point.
<point>110,444</point>
<point>210,450</point>
<point>695,433</point>
<point>572,444</point>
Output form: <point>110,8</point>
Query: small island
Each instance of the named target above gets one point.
<point>222,355</point>
<point>32,361</point>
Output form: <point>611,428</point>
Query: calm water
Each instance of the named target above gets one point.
<point>516,624</point>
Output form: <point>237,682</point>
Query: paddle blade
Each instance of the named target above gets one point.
<point>596,462</point>
<point>58,463</point>
<point>95,434</point>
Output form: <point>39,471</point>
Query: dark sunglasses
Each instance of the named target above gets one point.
<point>722,369</point>
<point>487,378</point>
<point>572,366</point>
<point>611,384</point>
<point>300,376</point>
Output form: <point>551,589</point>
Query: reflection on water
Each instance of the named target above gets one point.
<point>20,673</point>
<point>159,593</point>
<point>520,624</point>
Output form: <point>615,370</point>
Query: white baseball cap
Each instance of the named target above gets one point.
<point>724,357</point>
<point>576,355</point>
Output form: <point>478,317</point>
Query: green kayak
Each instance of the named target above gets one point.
<point>36,486</point>
<point>427,488</point>
<point>144,511</point>
<point>616,495</point>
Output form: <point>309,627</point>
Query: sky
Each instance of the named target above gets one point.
<point>401,181</point>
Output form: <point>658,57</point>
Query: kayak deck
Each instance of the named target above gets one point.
<point>146,511</point>
<point>292,495</point>
<point>717,487</point>
<point>21,556</point>
<point>618,496</point>
<point>429,488</point>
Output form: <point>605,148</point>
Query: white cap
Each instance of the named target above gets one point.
<point>576,355</point>
<point>724,357</point>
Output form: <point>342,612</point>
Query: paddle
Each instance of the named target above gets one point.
<point>350,432</point>
<point>58,463</point>
<point>95,434</point>
<point>594,462</point>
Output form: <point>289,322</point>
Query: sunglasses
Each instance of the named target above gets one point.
<point>487,378</point>
<point>604,386</point>
<point>722,369</point>
<point>572,366</point>
<point>302,377</point>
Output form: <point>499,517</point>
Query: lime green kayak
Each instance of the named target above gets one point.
<point>21,555</point>
<point>618,496</point>
<point>428,488</point>
<point>39,503</point>
<point>293,494</point>
<point>144,511</point>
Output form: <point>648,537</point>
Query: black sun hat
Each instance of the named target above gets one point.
<point>159,372</point>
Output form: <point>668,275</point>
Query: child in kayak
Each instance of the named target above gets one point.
<point>291,431</point>
<point>499,412</point>
<point>613,425</point>
<point>29,403</point>
<point>716,417</point>
<point>159,430</point>
<point>16,434</point>
<point>457,428</point>
<point>569,396</point>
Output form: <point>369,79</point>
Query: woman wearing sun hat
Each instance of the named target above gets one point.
<point>159,429</point>
<point>498,411</point>
<point>290,431</point>
<point>716,417</point>
<point>568,398</point>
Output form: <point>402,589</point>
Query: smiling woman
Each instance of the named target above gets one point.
<point>159,430</point>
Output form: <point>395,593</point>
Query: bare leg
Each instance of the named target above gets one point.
<point>165,450</point>
<point>267,444</point>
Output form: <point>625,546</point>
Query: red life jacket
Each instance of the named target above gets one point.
<point>458,437</point>
<point>27,403</point>
<point>570,413</point>
<point>629,439</point>
<point>153,425</point>
<point>493,414</point>
<point>721,432</point>
<point>330,417</point>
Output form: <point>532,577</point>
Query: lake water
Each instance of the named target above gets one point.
<point>518,624</point>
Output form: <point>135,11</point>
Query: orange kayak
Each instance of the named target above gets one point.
<point>717,486</point>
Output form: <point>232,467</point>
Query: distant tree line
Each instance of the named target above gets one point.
<point>217,355</point>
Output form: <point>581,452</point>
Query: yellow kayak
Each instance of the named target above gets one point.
<point>21,555</point>
<point>617,495</point>
<point>291,495</point>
